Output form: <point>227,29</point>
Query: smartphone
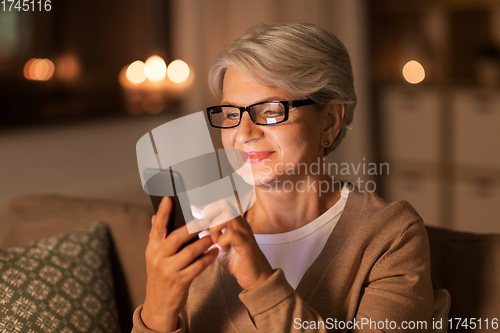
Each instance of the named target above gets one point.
<point>158,180</point>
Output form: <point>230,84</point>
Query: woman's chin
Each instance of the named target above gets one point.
<point>250,179</point>
<point>255,178</point>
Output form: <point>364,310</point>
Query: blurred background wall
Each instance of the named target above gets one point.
<point>70,125</point>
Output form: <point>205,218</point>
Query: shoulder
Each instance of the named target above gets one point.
<point>368,217</point>
<point>369,206</point>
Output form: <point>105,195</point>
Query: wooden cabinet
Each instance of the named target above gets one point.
<point>476,129</point>
<point>410,126</point>
<point>477,201</point>
<point>419,185</point>
<point>443,148</point>
<point>476,157</point>
<point>441,137</point>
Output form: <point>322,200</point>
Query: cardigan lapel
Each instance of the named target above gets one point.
<point>237,310</point>
<point>307,286</point>
<point>340,233</point>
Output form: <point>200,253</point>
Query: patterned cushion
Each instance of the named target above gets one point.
<point>59,284</point>
<point>37,216</point>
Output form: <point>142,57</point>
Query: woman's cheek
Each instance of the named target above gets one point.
<point>227,140</point>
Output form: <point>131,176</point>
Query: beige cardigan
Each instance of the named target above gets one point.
<point>375,265</point>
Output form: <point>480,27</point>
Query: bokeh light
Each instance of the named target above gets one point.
<point>27,68</point>
<point>68,68</point>
<point>37,69</point>
<point>155,68</point>
<point>136,72</point>
<point>413,72</point>
<point>178,71</point>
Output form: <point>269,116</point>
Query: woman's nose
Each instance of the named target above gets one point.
<point>247,130</point>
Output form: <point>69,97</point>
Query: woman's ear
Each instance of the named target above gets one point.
<point>334,115</point>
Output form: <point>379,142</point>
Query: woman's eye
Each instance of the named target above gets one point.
<point>233,115</point>
<point>271,113</point>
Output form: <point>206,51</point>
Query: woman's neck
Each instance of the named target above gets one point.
<point>279,209</point>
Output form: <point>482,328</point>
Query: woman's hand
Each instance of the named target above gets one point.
<point>243,259</point>
<point>170,273</point>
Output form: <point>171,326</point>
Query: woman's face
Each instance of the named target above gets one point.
<point>273,151</point>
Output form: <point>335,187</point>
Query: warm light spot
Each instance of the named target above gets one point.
<point>39,69</point>
<point>52,69</point>
<point>135,72</point>
<point>46,71</point>
<point>27,68</point>
<point>31,70</point>
<point>67,67</point>
<point>413,72</point>
<point>178,71</point>
<point>155,68</point>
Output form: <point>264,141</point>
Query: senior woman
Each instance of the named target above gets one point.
<point>299,259</point>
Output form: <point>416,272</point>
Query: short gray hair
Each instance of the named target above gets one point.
<point>301,58</point>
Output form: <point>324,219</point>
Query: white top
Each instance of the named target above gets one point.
<point>296,250</point>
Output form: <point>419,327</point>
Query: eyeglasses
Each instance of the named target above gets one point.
<point>263,113</point>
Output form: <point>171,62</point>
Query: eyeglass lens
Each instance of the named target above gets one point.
<point>261,114</point>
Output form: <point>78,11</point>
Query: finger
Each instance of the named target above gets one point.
<point>216,231</point>
<point>216,208</point>
<point>224,221</point>
<point>201,263</point>
<point>221,222</point>
<point>212,209</point>
<point>228,222</point>
<point>223,218</point>
<point>188,254</point>
<point>226,241</point>
<point>196,211</point>
<point>160,220</point>
<point>177,238</point>
<point>234,238</point>
<point>198,225</point>
<point>215,234</point>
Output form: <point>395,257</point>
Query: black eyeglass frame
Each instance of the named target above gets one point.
<point>287,104</point>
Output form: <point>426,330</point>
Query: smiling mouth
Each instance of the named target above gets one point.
<point>257,156</point>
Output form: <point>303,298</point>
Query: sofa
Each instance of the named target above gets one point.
<point>465,264</point>
<point>35,217</point>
